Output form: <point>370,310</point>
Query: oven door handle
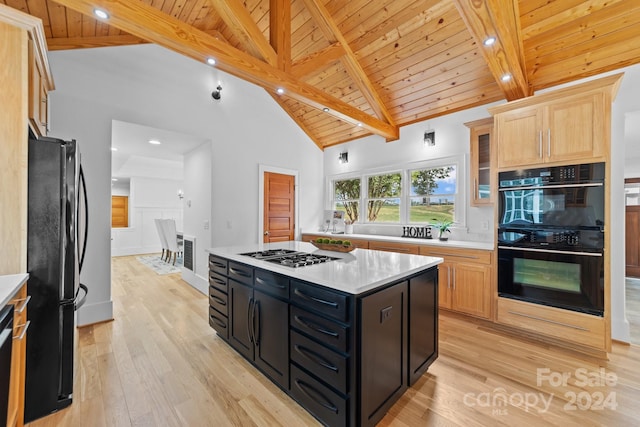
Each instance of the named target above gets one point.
<point>552,251</point>
<point>544,187</point>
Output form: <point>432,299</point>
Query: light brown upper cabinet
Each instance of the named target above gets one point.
<point>569,125</point>
<point>481,166</point>
<point>38,93</point>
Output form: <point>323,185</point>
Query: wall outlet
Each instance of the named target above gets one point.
<point>206,225</point>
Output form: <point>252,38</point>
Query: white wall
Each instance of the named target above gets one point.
<point>452,139</point>
<point>152,86</point>
<point>197,211</point>
<point>149,198</point>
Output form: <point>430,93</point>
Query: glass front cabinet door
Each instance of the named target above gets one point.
<point>481,152</point>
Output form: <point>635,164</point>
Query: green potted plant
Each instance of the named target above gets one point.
<point>443,227</point>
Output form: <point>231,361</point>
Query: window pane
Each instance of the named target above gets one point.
<point>383,210</point>
<point>348,189</point>
<point>350,209</point>
<point>433,194</point>
<point>432,209</point>
<point>433,181</point>
<point>346,196</point>
<point>387,185</point>
<point>383,204</point>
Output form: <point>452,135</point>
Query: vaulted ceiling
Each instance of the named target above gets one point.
<point>351,68</point>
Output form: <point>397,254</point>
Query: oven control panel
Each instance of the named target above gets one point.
<point>570,240</point>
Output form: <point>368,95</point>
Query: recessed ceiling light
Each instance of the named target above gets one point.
<point>325,109</point>
<point>114,149</point>
<point>100,14</point>
<point>489,41</point>
<point>280,91</point>
<point>359,124</point>
<point>506,77</point>
<point>211,61</point>
<point>154,142</point>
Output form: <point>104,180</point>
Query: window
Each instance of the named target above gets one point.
<point>346,198</point>
<point>433,194</point>
<point>383,197</point>
<point>422,192</point>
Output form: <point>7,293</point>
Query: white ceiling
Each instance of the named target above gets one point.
<point>135,156</point>
<point>632,134</point>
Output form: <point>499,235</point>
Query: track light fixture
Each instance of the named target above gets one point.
<point>217,94</point>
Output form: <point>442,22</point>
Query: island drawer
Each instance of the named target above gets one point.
<point>326,405</point>
<point>326,364</point>
<point>219,282</point>
<point>272,283</point>
<point>321,300</point>
<point>218,300</point>
<point>219,322</point>
<point>241,273</point>
<point>217,264</point>
<point>324,330</point>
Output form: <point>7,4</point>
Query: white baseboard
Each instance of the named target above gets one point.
<point>95,313</point>
<point>198,282</point>
<point>134,251</point>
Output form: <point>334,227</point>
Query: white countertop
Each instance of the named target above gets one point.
<point>355,272</point>
<point>461,244</point>
<point>9,285</point>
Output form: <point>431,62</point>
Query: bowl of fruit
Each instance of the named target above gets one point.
<point>332,245</point>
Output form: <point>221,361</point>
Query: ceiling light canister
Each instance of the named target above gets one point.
<point>489,41</point>
<point>506,77</point>
<point>325,109</point>
<point>280,91</point>
<point>99,13</point>
<point>211,61</point>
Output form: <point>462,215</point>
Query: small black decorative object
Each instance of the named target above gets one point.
<point>217,94</point>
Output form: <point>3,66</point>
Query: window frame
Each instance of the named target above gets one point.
<point>405,169</point>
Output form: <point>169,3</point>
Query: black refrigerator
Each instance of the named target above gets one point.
<point>56,230</point>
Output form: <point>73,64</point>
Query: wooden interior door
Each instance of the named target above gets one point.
<point>119,211</point>
<point>279,212</point>
<point>632,242</point>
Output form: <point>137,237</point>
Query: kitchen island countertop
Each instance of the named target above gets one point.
<point>355,272</point>
<point>9,285</point>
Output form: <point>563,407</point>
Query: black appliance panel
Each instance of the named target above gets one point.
<point>575,240</point>
<point>568,280</point>
<point>570,197</point>
<point>52,263</point>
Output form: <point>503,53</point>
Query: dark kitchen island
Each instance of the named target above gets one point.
<point>344,335</point>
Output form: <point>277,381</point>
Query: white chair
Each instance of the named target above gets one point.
<point>163,239</point>
<point>171,235</point>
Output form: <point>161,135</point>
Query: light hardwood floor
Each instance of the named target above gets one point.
<point>160,364</point>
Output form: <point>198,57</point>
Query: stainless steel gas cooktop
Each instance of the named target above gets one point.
<point>290,258</point>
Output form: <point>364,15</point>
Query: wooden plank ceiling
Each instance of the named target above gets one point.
<point>351,68</point>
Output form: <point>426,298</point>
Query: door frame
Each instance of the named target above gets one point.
<point>262,168</point>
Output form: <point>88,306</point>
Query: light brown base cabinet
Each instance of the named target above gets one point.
<point>15,409</point>
<point>465,280</point>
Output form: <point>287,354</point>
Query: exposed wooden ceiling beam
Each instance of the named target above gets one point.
<point>331,31</point>
<point>58,43</point>
<point>280,31</point>
<point>139,19</point>
<point>499,19</point>
<point>239,21</point>
<point>317,60</point>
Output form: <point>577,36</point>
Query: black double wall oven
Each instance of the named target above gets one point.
<point>551,236</point>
